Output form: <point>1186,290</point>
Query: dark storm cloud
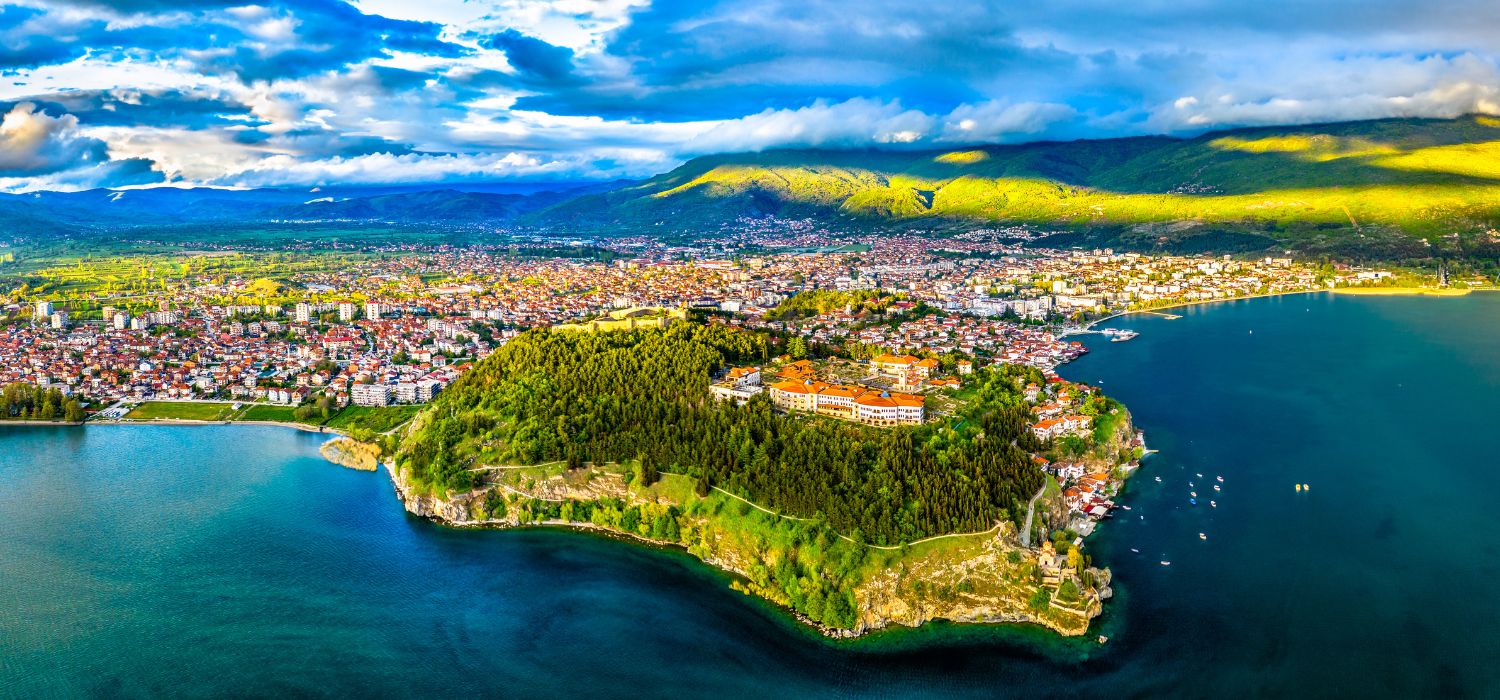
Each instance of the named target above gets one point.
<point>159,108</point>
<point>326,34</point>
<point>536,61</point>
<point>235,38</point>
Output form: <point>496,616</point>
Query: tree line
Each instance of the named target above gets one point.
<point>643,395</point>
<point>30,402</point>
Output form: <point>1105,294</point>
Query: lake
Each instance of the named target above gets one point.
<point>194,561</point>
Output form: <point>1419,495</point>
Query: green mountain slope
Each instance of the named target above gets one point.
<point>1412,179</point>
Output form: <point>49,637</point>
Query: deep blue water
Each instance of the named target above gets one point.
<point>208,561</point>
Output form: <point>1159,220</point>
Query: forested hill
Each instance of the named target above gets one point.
<point>643,395</point>
<point>1363,182</point>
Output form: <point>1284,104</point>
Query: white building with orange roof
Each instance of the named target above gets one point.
<point>893,365</point>
<point>910,409</point>
<point>796,395</point>
<point>925,368</point>
<point>887,408</point>
<point>876,409</point>
<point>1047,429</point>
<point>848,402</point>
<point>743,376</point>
<point>838,400</point>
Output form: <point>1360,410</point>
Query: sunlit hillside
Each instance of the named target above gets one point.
<point>1429,179</point>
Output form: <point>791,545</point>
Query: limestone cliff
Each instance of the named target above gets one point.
<point>981,578</point>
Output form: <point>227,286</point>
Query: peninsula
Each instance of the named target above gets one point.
<point>852,522</point>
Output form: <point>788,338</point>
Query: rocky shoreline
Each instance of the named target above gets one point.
<point>884,600</point>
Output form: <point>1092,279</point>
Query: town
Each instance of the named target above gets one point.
<point>399,327</point>
<point>880,331</point>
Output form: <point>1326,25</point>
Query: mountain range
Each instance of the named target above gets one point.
<point>1400,186</point>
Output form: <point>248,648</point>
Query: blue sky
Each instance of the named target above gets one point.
<point>314,92</point>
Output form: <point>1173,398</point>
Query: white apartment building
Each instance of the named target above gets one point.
<point>370,394</point>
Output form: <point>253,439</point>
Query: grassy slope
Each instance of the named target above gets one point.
<point>954,578</point>
<point>1421,177</point>
<point>377,420</point>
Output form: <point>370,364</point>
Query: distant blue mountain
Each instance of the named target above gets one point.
<point>60,212</point>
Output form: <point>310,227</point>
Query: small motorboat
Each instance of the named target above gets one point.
<point>1298,487</point>
<point>1212,504</point>
<point>1305,487</point>
<point>1200,475</point>
<point>1220,478</point>
<point>1216,487</point>
<point>1193,501</point>
<point>1202,536</point>
<point>1158,480</point>
<point>1133,549</point>
<point>1194,494</point>
<point>1164,562</point>
<point>1125,507</point>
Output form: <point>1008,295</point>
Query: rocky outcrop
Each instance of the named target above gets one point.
<point>453,510</point>
<point>986,578</point>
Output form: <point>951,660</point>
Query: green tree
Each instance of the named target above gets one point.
<point>796,347</point>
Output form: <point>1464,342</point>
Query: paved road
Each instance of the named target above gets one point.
<point>1030,510</point>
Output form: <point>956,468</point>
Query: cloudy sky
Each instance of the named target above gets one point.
<point>310,92</point>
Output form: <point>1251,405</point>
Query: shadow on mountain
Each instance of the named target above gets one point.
<point>1244,161</point>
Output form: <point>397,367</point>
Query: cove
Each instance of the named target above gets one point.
<point>193,561</point>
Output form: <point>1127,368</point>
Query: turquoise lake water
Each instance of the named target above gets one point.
<point>210,561</point>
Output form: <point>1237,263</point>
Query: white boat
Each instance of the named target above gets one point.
<point>1202,536</point>
<point>1216,487</point>
<point>1194,494</point>
<point>1133,549</point>
<point>1158,480</point>
<point>1220,478</point>
<point>1164,562</point>
<point>1199,475</point>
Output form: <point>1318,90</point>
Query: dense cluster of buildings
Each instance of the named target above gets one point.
<point>240,352</point>
<point>396,328</point>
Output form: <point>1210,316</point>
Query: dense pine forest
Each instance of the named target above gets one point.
<point>643,396</point>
